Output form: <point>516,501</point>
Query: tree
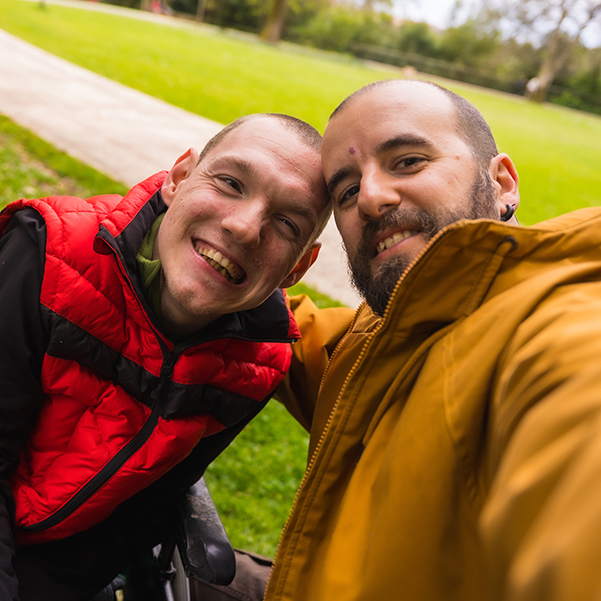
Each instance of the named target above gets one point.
<point>559,25</point>
<point>272,32</point>
<point>470,43</point>
<point>417,38</point>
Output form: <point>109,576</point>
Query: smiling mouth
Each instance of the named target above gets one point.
<point>394,239</point>
<point>230,271</point>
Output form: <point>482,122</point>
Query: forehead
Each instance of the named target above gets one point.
<point>263,135</point>
<point>382,113</point>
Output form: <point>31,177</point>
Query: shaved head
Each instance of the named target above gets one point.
<point>471,125</point>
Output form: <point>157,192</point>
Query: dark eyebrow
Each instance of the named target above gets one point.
<point>242,165</point>
<point>336,178</point>
<point>403,140</point>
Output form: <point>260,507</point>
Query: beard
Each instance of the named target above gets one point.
<point>376,286</point>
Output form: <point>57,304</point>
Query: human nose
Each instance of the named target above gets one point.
<point>376,197</point>
<point>245,224</point>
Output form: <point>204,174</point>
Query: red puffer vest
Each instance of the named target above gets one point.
<point>124,404</point>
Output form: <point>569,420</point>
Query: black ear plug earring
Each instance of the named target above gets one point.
<point>510,210</point>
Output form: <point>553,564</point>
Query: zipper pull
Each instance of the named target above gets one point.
<point>168,365</point>
<point>166,373</point>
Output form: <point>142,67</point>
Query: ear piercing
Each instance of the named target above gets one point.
<point>509,212</point>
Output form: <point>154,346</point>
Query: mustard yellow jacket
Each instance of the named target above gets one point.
<point>455,449</point>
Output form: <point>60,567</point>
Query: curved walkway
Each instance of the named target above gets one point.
<point>121,132</point>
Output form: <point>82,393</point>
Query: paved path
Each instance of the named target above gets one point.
<point>121,132</point>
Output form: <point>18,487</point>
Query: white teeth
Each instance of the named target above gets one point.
<point>394,239</point>
<point>221,264</point>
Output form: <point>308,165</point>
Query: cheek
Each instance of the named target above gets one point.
<point>277,262</point>
<point>192,206</point>
<point>349,226</point>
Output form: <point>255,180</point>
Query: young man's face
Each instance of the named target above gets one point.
<point>237,223</point>
<point>398,172</point>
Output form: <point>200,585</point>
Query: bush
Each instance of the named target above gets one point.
<point>336,27</point>
<point>468,44</point>
<point>417,38</point>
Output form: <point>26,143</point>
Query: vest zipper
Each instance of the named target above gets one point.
<point>159,394</point>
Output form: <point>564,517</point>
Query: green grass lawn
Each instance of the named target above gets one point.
<point>32,168</point>
<point>557,151</point>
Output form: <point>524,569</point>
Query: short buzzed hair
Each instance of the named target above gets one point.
<point>305,132</point>
<point>471,125</point>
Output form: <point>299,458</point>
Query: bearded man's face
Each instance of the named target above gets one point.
<point>376,285</point>
<point>398,170</point>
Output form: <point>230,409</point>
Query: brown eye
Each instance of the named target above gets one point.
<point>230,181</point>
<point>348,194</point>
<point>409,163</point>
<point>289,225</point>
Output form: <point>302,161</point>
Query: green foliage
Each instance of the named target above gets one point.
<point>32,168</point>
<point>126,3</point>
<point>417,38</point>
<point>336,27</point>
<point>247,15</point>
<point>468,44</point>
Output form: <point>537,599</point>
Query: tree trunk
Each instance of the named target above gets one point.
<point>272,32</point>
<point>560,47</point>
<point>558,54</point>
<point>200,10</point>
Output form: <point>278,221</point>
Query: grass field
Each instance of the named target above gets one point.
<point>222,76</point>
<point>557,151</point>
<point>30,167</point>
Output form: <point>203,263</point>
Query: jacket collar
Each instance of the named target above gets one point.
<point>465,264</point>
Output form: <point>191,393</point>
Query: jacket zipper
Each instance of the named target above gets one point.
<point>158,395</point>
<point>359,359</point>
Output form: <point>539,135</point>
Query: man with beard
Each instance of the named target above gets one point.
<point>455,418</point>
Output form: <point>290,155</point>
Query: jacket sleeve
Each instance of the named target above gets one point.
<point>321,331</point>
<point>542,520</point>
<point>22,344</point>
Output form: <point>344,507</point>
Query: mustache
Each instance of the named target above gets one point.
<point>407,219</point>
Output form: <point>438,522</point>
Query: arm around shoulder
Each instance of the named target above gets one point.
<point>321,330</point>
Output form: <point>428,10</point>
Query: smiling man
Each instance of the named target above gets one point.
<point>138,336</point>
<point>455,418</point>
<point>415,162</point>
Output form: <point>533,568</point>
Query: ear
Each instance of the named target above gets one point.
<point>301,267</point>
<point>505,179</point>
<point>181,170</point>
